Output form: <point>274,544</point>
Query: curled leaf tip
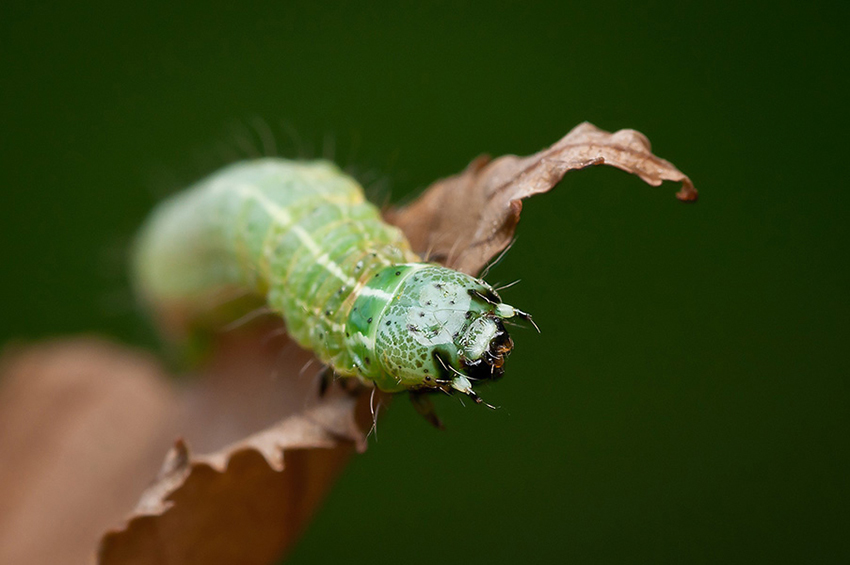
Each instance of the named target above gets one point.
<point>465,220</point>
<point>687,193</point>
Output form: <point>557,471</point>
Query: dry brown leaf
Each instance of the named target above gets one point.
<point>245,503</point>
<point>466,220</point>
<point>271,450</point>
<point>84,424</point>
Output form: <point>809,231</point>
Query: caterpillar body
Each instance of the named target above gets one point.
<point>302,236</point>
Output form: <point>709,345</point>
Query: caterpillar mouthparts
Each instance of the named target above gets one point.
<point>490,363</point>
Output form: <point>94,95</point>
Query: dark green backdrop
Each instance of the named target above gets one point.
<point>687,400</point>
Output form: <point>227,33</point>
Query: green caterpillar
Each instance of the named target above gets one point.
<point>302,236</point>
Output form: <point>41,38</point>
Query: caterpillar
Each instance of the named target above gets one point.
<point>301,236</point>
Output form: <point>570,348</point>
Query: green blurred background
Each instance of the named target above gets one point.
<point>687,401</point>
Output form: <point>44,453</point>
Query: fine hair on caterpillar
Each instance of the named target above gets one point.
<point>302,241</point>
<point>254,137</point>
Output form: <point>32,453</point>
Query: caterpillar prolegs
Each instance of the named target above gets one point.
<point>302,236</point>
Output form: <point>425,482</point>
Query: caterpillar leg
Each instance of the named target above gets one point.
<point>462,384</point>
<point>422,403</point>
<point>326,377</point>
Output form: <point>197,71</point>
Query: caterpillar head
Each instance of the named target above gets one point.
<point>437,329</point>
